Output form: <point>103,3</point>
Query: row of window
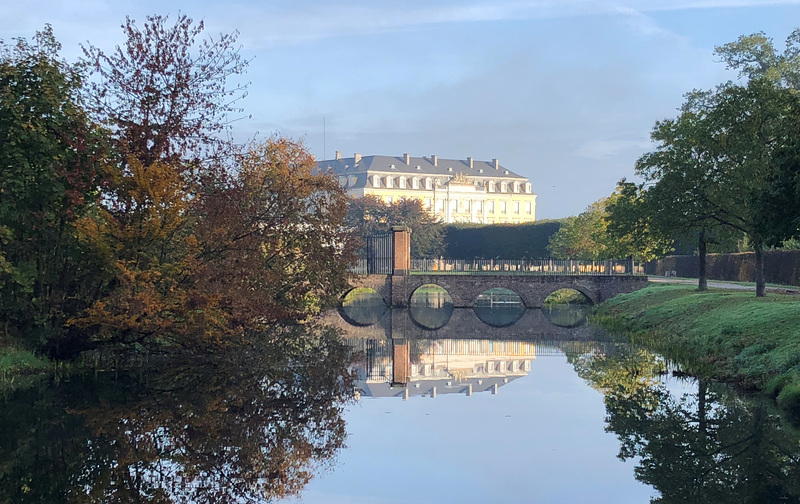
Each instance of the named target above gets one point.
<point>427,183</point>
<point>466,205</point>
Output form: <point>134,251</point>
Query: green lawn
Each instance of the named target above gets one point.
<point>728,335</point>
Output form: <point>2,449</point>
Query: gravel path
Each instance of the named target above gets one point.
<point>717,284</point>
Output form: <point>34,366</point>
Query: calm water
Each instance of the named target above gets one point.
<point>511,405</point>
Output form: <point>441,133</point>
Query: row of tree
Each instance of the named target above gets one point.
<point>126,216</point>
<point>727,167</point>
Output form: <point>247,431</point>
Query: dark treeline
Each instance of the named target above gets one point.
<point>127,218</point>
<point>500,241</point>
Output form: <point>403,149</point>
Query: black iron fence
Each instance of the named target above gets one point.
<point>377,256</point>
<point>525,267</point>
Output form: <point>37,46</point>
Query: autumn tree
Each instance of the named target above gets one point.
<point>51,164</point>
<point>165,94</point>
<point>272,234</point>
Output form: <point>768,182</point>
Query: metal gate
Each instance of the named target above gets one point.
<point>380,253</point>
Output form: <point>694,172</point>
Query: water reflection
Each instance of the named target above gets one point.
<point>566,315</point>
<point>431,306</point>
<point>247,426</point>
<point>707,445</point>
<point>499,307</point>
<point>362,307</point>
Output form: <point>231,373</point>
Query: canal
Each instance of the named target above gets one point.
<point>430,404</point>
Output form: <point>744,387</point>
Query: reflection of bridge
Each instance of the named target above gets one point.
<point>399,283</point>
<point>463,324</point>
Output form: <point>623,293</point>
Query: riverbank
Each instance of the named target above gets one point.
<point>725,335</point>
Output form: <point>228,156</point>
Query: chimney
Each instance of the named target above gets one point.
<point>338,155</point>
<point>496,164</point>
<point>408,158</point>
<point>356,157</point>
<point>435,160</point>
<point>469,162</point>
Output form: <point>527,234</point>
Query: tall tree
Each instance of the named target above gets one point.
<point>51,164</point>
<point>720,154</point>
<point>165,94</point>
<point>755,56</point>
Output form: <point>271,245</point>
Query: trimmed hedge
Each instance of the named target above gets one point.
<point>500,241</point>
<point>780,266</point>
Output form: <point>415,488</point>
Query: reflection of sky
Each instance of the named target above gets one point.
<point>541,439</point>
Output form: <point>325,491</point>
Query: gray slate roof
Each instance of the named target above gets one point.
<point>347,166</point>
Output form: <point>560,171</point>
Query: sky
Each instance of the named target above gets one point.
<point>564,92</point>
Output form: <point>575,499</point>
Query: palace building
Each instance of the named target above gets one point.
<point>453,190</point>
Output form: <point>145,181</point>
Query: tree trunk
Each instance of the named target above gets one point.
<point>702,249</point>
<point>759,249</point>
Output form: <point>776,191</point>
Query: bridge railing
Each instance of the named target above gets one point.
<point>525,267</point>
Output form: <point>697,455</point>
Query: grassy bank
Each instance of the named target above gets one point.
<point>19,368</point>
<point>726,335</point>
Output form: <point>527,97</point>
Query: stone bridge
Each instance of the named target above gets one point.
<point>397,287</point>
<point>397,290</point>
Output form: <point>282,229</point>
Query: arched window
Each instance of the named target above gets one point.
<point>528,188</point>
<point>415,183</point>
<point>376,181</point>
<point>428,183</point>
<point>492,187</point>
<point>516,186</point>
<point>389,182</point>
<point>401,182</point>
<point>504,187</point>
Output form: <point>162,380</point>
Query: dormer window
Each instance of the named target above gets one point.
<point>401,182</point>
<point>492,186</point>
<point>389,182</point>
<point>528,188</point>
<point>415,183</point>
<point>504,187</point>
<point>428,183</point>
<point>376,181</point>
<point>516,187</point>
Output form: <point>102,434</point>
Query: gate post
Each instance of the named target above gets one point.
<point>402,250</point>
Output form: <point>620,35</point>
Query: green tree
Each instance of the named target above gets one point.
<point>582,237</point>
<point>370,214</point>
<point>717,159</point>
<point>755,56</point>
<point>51,164</point>
<point>633,228</point>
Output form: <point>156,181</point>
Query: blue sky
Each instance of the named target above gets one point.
<point>562,91</point>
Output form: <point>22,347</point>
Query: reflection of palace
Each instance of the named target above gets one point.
<point>403,368</point>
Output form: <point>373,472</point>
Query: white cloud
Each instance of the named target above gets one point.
<point>275,26</point>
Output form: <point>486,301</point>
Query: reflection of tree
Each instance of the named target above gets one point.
<point>248,426</point>
<point>709,446</point>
